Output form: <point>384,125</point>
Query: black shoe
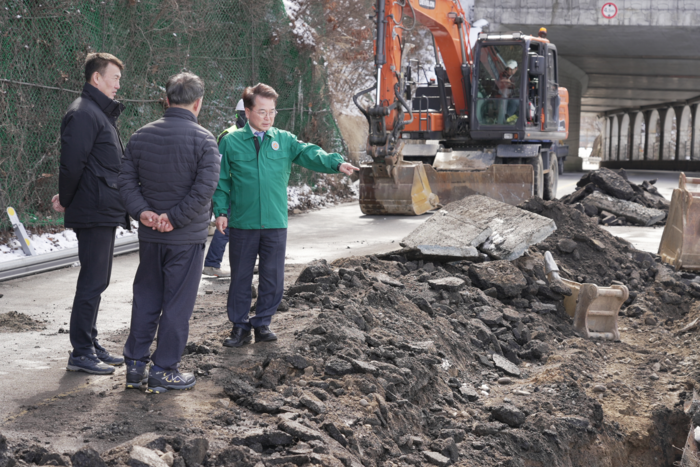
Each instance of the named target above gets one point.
<point>136,374</point>
<point>106,357</point>
<point>89,364</point>
<point>263,334</point>
<point>239,337</point>
<point>160,380</point>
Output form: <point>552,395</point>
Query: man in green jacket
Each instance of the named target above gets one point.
<point>255,166</point>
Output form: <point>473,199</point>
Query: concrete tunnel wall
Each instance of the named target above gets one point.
<point>656,77</point>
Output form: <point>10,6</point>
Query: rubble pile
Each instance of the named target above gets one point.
<point>609,196</point>
<point>401,361</point>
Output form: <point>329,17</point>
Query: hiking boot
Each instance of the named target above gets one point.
<point>263,334</point>
<point>106,357</point>
<point>239,337</point>
<point>136,374</point>
<point>89,364</point>
<point>160,380</point>
<point>218,272</point>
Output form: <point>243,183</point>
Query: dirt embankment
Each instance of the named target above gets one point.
<point>391,362</point>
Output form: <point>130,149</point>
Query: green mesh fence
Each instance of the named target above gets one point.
<point>229,43</point>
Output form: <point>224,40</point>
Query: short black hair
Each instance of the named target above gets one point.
<point>97,62</point>
<point>260,89</point>
<point>184,88</point>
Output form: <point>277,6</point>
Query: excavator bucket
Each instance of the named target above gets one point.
<point>413,188</point>
<point>593,308</point>
<point>680,242</point>
<point>401,189</point>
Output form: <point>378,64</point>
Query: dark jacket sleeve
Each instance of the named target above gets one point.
<point>200,195</point>
<point>78,134</point>
<point>129,186</point>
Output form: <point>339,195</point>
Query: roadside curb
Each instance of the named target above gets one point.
<point>57,259</point>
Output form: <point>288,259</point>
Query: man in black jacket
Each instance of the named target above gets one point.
<point>170,172</point>
<point>91,155</point>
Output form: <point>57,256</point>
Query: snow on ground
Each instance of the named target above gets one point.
<point>298,197</point>
<point>303,32</point>
<point>303,197</point>
<point>50,242</point>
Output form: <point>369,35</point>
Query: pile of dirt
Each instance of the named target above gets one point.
<point>388,361</point>
<point>608,195</point>
<point>14,321</point>
<point>587,253</point>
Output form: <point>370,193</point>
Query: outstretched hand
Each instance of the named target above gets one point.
<point>347,168</point>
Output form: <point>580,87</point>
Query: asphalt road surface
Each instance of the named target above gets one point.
<point>33,367</point>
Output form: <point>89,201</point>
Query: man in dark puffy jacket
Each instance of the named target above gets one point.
<point>170,172</point>
<point>91,155</point>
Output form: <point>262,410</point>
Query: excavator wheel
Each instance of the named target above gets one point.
<point>538,189</point>
<point>551,179</point>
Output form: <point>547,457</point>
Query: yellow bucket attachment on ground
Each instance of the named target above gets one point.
<point>398,189</point>
<point>680,242</point>
<point>413,188</point>
<point>593,308</point>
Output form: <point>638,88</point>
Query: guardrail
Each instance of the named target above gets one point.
<point>57,259</point>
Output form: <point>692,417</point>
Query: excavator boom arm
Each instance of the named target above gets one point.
<point>446,21</point>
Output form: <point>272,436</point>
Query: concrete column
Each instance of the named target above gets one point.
<point>614,138</point>
<point>669,138</point>
<point>638,139</point>
<point>646,153</point>
<point>654,135</point>
<point>624,153</point>
<point>696,133</point>
<point>606,139</point>
<point>685,132</point>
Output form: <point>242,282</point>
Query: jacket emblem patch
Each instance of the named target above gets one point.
<point>275,145</point>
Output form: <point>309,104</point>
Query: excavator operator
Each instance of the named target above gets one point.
<point>508,89</point>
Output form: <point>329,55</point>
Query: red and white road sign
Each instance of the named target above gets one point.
<point>609,10</point>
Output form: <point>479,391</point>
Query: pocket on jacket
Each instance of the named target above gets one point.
<point>108,195</point>
<point>244,156</point>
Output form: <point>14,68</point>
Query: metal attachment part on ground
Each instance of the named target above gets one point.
<point>679,245</point>
<point>593,308</point>
<point>21,234</point>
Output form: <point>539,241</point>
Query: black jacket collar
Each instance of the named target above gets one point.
<point>109,106</point>
<point>179,112</point>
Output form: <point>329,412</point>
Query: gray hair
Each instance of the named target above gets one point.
<point>184,88</point>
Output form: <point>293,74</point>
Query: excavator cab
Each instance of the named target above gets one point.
<point>516,92</point>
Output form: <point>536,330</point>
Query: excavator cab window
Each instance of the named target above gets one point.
<point>499,84</point>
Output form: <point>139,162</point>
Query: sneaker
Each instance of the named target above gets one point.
<point>263,334</point>
<point>89,364</point>
<point>136,374</point>
<point>106,357</point>
<point>160,380</point>
<point>239,337</point>
<point>218,272</point>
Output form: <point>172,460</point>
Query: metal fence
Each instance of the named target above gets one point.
<point>229,43</point>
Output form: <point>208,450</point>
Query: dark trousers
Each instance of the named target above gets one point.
<point>217,247</point>
<point>165,289</point>
<point>95,251</point>
<point>244,247</point>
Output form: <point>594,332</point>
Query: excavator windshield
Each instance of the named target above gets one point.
<point>499,84</point>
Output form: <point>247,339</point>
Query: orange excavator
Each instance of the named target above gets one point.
<point>491,122</point>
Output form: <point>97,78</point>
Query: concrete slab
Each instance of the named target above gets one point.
<point>631,211</point>
<point>498,229</point>
<point>453,226</point>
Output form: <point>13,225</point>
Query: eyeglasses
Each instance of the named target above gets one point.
<point>266,113</point>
